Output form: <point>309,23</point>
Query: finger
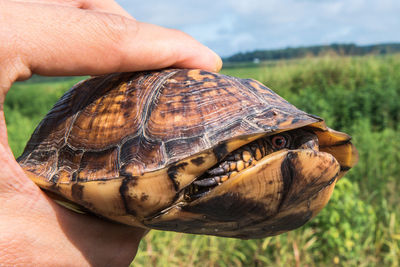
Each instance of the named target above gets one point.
<point>82,42</point>
<point>108,6</point>
<point>104,5</point>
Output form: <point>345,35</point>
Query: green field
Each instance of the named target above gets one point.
<point>360,226</point>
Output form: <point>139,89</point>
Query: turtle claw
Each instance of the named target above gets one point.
<point>212,181</point>
<point>216,171</point>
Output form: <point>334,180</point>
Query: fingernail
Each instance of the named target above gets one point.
<point>219,63</point>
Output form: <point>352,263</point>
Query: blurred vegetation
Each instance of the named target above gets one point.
<point>359,226</point>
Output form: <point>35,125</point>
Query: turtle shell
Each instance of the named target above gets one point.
<point>125,145</point>
<point>141,122</point>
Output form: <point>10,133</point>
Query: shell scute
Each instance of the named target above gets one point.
<point>99,165</point>
<point>107,119</point>
<point>139,153</point>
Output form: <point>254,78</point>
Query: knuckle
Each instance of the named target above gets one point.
<point>115,32</point>
<point>117,27</point>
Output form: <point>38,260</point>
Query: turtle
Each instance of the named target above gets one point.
<point>187,150</point>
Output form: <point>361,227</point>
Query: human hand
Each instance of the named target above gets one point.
<point>67,37</point>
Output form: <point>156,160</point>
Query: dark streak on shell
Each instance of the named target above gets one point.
<point>129,181</point>
<point>77,192</point>
<point>198,161</point>
<point>54,179</point>
<point>74,176</point>
<point>289,222</point>
<point>173,171</point>
<point>220,151</point>
<point>144,197</point>
<point>227,207</point>
<point>345,168</point>
<point>288,173</point>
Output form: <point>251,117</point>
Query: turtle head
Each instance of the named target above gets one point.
<point>268,186</point>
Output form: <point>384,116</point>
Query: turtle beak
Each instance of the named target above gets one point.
<point>339,145</point>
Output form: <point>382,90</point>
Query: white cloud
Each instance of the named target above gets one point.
<point>230,26</point>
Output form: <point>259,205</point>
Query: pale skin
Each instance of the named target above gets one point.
<point>60,38</point>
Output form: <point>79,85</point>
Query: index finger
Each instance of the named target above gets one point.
<point>109,6</point>
<point>83,42</point>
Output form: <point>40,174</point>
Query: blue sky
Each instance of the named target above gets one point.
<point>231,26</point>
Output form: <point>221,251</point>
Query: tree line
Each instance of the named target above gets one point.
<point>317,50</point>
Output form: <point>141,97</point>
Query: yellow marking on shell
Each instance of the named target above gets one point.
<point>172,80</point>
<point>210,84</point>
<point>286,123</point>
<point>195,75</point>
<point>98,196</point>
<point>178,118</point>
<point>213,93</point>
<point>106,198</point>
<point>64,176</point>
<point>260,86</point>
<point>319,125</point>
<point>118,99</point>
<point>116,119</point>
<point>241,141</point>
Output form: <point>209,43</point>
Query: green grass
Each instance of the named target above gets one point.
<point>359,226</point>
<point>27,103</point>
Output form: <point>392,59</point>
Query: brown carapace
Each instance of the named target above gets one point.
<point>189,151</point>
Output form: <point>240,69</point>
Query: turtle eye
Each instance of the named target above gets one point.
<point>279,141</point>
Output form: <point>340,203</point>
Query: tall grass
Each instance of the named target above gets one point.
<point>26,104</point>
<point>359,226</point>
